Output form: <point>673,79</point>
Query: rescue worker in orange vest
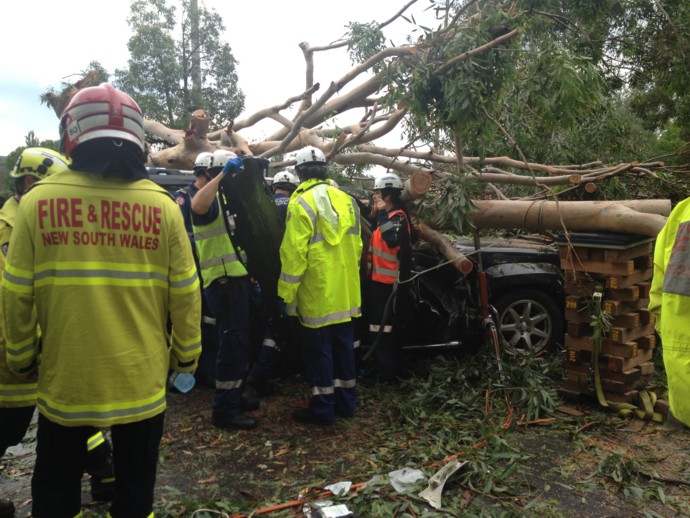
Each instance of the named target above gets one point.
<point>103,255</point>
<point>319,282</point>
<point>226,287</point>
<point>389,261</point>
<point>17,393</point>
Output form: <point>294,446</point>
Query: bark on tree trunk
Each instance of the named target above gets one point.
<point>645,217</point>
<point>445,248</point>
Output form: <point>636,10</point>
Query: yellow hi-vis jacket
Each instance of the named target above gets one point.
<point>669,302</point>
<point>319,254</point>
<point>105,262</point>
<point>15,391</point>
<point>217,255</point>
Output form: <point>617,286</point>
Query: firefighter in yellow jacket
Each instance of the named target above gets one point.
<point>104,256</point>
<point>669,302</point>
<point>18,394</point>
<point>319,282</point>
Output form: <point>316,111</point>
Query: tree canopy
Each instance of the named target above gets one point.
<point>535,99</point>
<point>180,64</point>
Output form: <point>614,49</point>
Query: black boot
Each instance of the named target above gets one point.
<point>6,508</point>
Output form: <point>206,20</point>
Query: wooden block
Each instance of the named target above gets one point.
<point>578,356</point>
<point>624,350</point>
<point>645,288</point>
<point>579,329</point>
<point>623,281</point>
<point>575,253</point>
<point>628,294</point>
<point>644,262</point>
<point>620,364</point>
<point>614,307</point>
<point>576,303</point>
<point>627,397</point>
<point>623,268</point>
<point>585,343</point>
<point>579,288</point>
<point>629,253</point>
<point>646,317</point>
<point>597,255</point>
<point>583,316</point>
<point>579,343</point>
<point>646,368</point>
<point>573,391</point>
<point>628,320</point>
<point>619,307</point>
<point>620,334</point>
<point>624,377</point>
<point>646,342</point>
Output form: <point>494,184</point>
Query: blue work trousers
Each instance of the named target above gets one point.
<point>228,299</point>
<point>329,362</point>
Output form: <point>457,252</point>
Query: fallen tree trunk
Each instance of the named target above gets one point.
<point>444,246</point>
<point>645,217</point>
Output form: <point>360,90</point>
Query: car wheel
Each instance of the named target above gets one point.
<point>530,321</point>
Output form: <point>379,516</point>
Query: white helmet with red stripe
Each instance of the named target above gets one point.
<point>100,112</point>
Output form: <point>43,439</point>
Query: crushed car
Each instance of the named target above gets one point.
<point>444,307</point>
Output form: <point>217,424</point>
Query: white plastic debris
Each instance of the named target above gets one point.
<point>403,479</point>
<point>339,488</point>
<point>432,494</point>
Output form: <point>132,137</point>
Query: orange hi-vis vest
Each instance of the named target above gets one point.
<point>383,259</point>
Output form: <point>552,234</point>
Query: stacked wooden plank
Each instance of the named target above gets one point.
<point>622,274</point>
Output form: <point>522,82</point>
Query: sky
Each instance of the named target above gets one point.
<point>46,42</point>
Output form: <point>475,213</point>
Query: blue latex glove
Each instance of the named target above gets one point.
<point>234,165</point>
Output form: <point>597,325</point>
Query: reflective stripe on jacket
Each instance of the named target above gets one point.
<point>14,390</point>
<point>383,259</point>
<point>217,255</point>
<point>319,254</point>
<point>106,262</point>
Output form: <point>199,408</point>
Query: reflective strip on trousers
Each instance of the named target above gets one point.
<point>322,391</point>
<point>375,328</point>
<point>228,385</point>
<point>95,441</point>
<point>344,383</point>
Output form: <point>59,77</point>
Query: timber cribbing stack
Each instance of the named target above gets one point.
<point>621,267</point>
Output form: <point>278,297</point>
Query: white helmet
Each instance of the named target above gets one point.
<point>203,160</point>
<point>388,181</point>
<point>309,155</point>
<point>220,158</point>
<point>285,177</point>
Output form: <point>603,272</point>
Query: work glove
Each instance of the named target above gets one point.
<point>234,165</point>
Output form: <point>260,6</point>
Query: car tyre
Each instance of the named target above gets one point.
<point>530,322</point>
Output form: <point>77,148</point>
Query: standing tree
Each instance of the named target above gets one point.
<point>172,77</point>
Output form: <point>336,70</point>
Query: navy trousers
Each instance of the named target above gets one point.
<point>61,459</point>
<point>329,362</point>
<point>228,298</point>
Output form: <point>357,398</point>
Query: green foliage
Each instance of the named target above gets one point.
<point>162,69</point>
<point>364,40</point>
<point>452,205</point>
